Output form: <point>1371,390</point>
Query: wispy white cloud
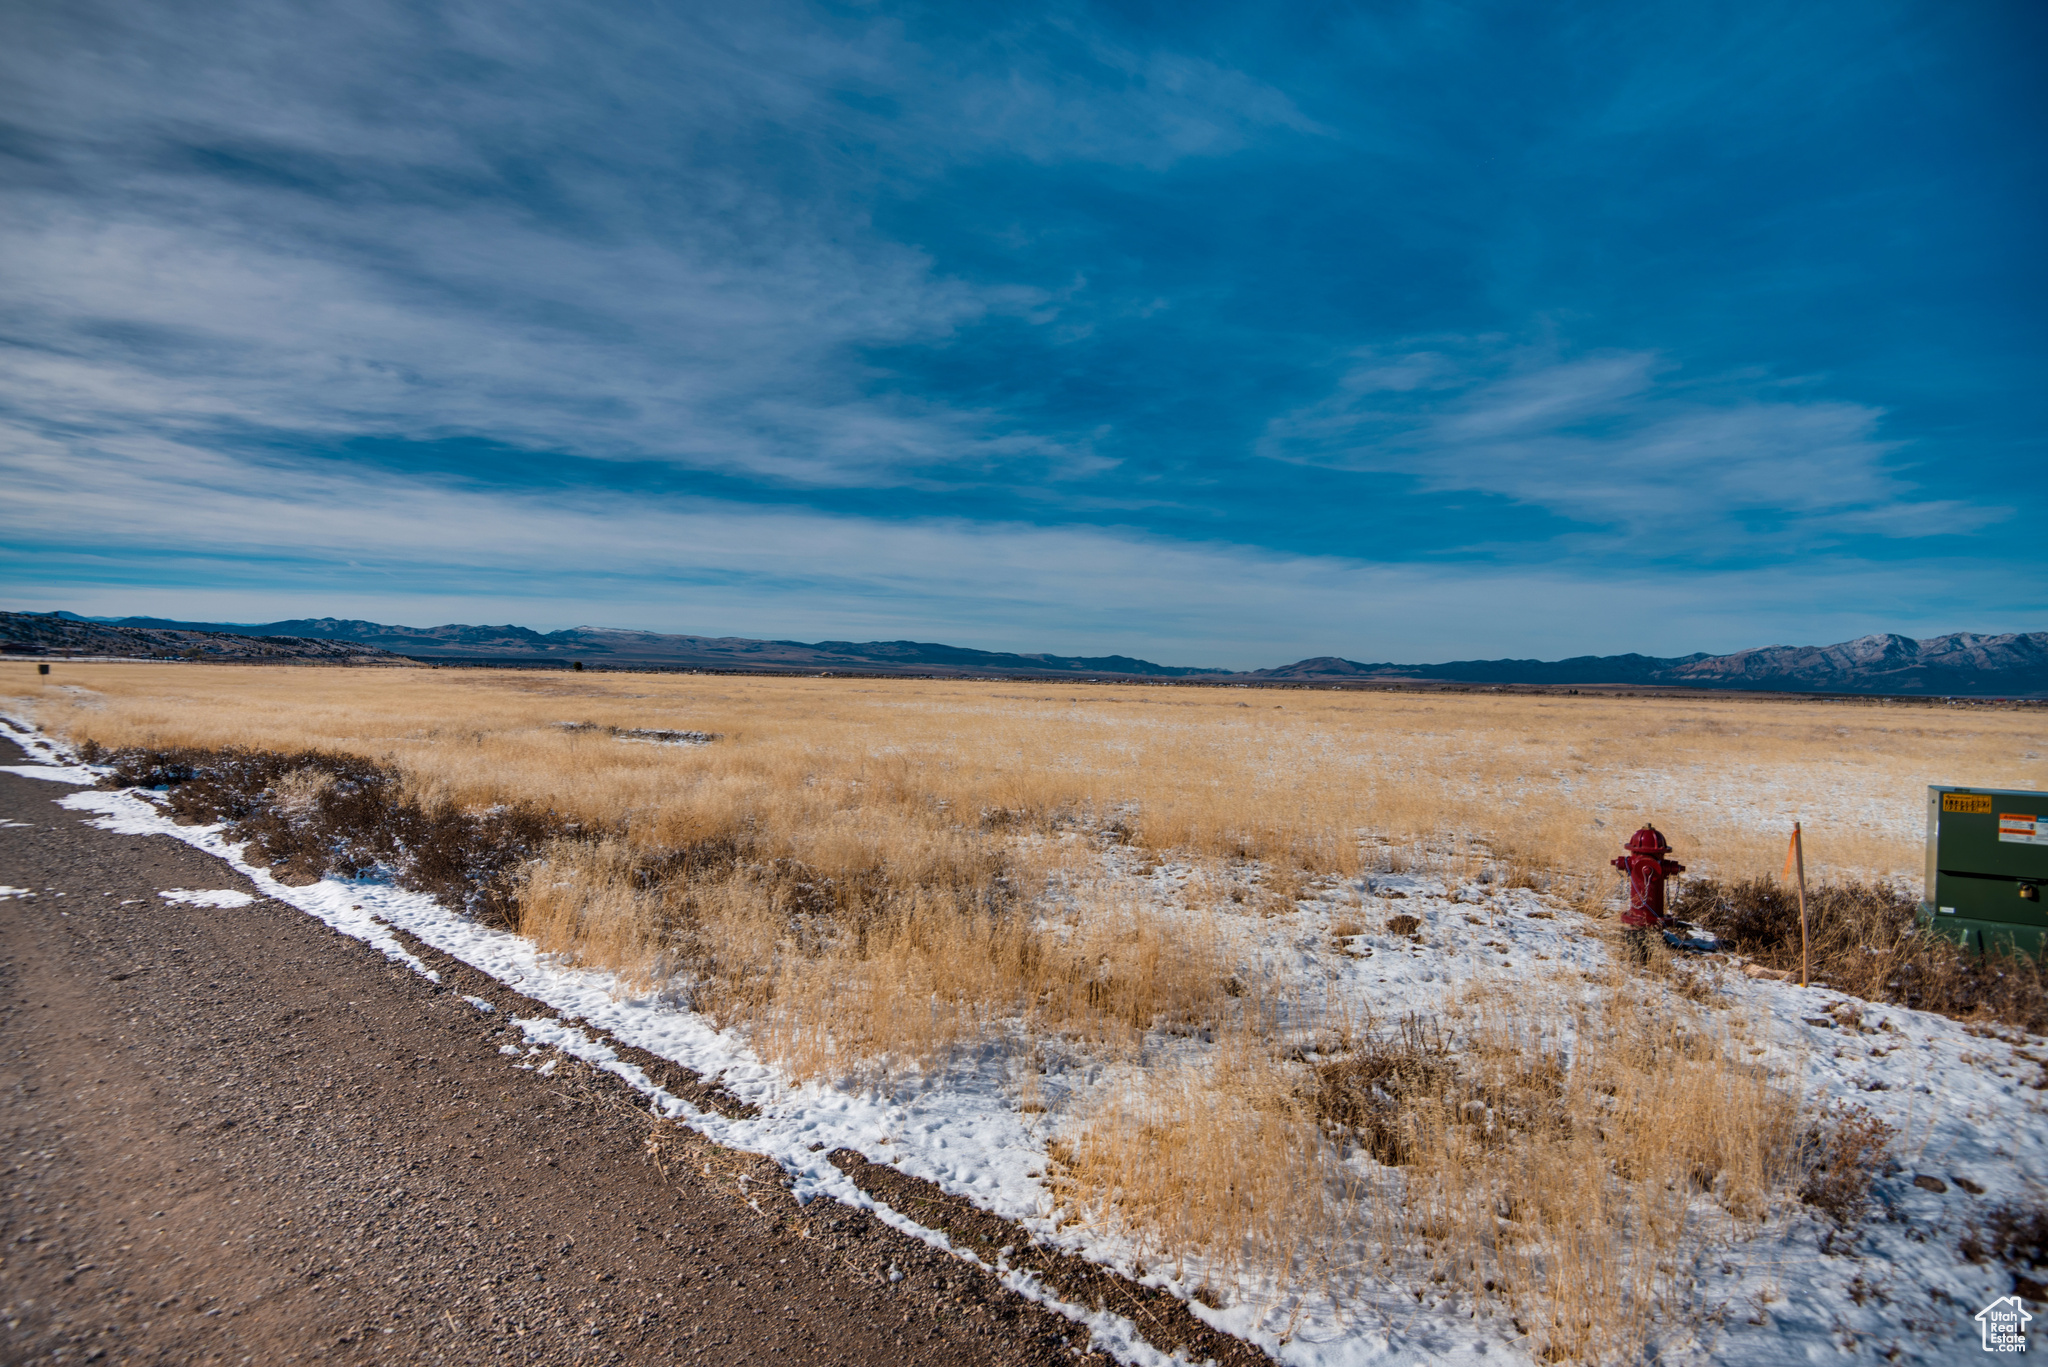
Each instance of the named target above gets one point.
<point>1147,109</point>
<point>576,230</point>
<point>1621,441</point>
<point>253,541</point>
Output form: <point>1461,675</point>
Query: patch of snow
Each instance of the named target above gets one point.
<point>688,738</point>
<point>6,892</point>
<point>44,750</point>
<point>208,897</point>
<point>55,773</point>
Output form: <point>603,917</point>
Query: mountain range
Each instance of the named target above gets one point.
<point>42,633</point>
<point>1959,664</point>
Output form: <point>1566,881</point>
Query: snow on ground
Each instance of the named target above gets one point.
<point>1766,798</point>
<point>1967,1105</point>
<point>208,897</point>
<point>56,773</point>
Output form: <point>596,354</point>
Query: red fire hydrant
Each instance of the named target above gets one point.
<point>1647,868</point>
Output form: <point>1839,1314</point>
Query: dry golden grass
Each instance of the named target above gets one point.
<point>1217,1165</point>
<point>1598,1173</point>
<point>854,772</point>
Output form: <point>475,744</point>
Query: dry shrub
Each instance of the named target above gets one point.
<point>1369,1091</point>
<point>929,975</point>
<point>903,984</point>
<point>844,976</point>
<point>1847,1151</point>
<point>311,814</point>
<point>2015,1235</point>
<point>1863,939</point>
<point>892,949</point>
<point>297,795</point>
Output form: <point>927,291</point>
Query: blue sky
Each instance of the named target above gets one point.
<point>1219,335</point>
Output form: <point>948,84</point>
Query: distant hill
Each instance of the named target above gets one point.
<point>613,646</point>
<point>45,633</point>
<point>1962,663</point>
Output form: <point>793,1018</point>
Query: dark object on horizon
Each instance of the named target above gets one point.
<point>576,665</point>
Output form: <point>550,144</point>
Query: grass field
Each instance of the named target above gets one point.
<point>871,874</point>
<point>1305,780</point>
<point>919,810</point>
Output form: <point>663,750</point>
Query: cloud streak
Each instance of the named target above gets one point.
<point>226,228</point>
<point>702,566</point>
<point>1622,443</point>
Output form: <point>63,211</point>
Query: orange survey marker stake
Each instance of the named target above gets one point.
<point>1795,858</point>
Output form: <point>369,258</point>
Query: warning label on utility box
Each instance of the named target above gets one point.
<point>1966,802</point>
<point>2020,830</point>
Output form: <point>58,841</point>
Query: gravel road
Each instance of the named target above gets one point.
<point>234,1136</point>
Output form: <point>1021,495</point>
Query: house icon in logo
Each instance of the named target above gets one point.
<point>2004,1323</point>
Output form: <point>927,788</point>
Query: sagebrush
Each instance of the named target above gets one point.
<point>1863,938</point>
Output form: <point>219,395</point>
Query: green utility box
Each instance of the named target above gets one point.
<point>1987,857</point>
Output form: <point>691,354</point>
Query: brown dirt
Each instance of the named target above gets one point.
<point>234,1136</point>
